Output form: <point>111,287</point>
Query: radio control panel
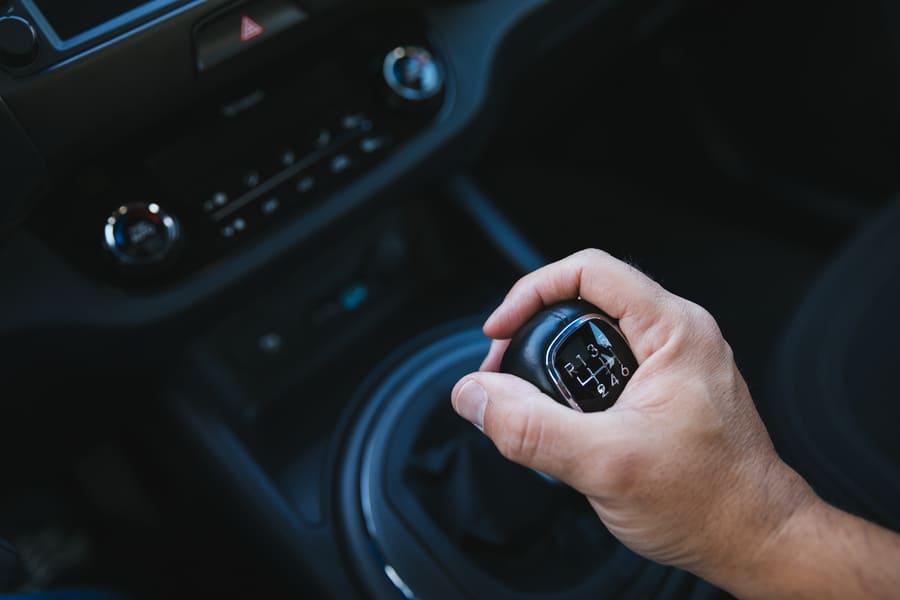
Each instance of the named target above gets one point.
<point>262,152</point>
<point>285,178</point>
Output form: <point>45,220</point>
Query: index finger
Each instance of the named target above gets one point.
<point>618,289</point>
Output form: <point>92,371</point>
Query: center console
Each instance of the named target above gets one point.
<point>320,414</point>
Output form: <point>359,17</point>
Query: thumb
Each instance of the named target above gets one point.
<point>527,426</point>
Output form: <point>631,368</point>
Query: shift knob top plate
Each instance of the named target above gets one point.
<point>574,353</point>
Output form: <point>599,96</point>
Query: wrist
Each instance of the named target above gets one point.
<point>823,552</point>
<point>775,514</point>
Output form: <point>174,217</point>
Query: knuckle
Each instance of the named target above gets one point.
<point>587,260</point>
<point>522,283</point>
<point>700,337</point>
<point>727,352</point>
<point>590,254</point>
<point>697,327</point>
<point>704,323</point>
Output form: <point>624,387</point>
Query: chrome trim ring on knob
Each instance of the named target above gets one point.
<point>558,341</point>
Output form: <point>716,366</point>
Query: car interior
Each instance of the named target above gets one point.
<point>247,247</point>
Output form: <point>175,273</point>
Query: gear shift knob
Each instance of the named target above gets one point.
<point>574,353</point>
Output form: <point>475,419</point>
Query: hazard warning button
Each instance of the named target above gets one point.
<point>250,29</point>
<point>225,36</point>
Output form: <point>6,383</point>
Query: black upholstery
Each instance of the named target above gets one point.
<point>834,410</point>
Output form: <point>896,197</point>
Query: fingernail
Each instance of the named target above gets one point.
<point>471,402</point>
<point>488,356</point>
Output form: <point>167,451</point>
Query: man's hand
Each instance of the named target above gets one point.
<point>681,468</point>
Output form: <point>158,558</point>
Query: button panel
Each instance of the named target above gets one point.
<point>287,179</point>
<point>274,152</point>
<point>271,150</point>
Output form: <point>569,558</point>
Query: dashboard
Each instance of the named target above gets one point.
<point>136,114</point>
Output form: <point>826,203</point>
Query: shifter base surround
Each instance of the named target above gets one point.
<point>428,504</point>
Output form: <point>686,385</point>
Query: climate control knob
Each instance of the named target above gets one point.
<point>141,235</point>
<point>413,74</point>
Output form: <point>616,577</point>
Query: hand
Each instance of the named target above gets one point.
<point>681,468</point>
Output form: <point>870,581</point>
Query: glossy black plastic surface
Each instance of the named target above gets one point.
<point>592,363</point>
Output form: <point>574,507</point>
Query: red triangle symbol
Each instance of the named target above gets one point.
<point>250,29</point>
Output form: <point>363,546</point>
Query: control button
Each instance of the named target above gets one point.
<point>271,343</point>
<point>218,200</point>
<point>141,234</point>
<point>372,144</point>
<point>358,122</point>
<point>235,227</point>
<point>323,139</point>
<point>224,37</point>
<point>287,158</point>
<point>390,256</point>
<point>250,29</point>
<point>270,206</point>
<point>306,184</point>
<point>18,42</point>
<point>251,179</point>
<point>354,297</point>
<point>340,164</point>
<point>412,73</point>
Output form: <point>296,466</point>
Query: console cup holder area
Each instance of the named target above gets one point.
<point>430,509</point>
